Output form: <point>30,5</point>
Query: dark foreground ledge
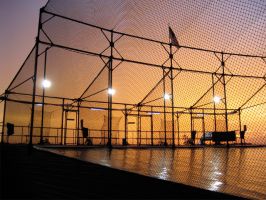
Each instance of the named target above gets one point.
<point>46,175</point>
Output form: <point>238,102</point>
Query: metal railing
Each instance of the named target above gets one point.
<point>71,136</point>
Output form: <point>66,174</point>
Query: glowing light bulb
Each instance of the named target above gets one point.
<point>154,113</point>
<point>217,99</point>
<point>111,91</point>
<point>96,109</point>
<point>167,96</point>
<point>46,83</point>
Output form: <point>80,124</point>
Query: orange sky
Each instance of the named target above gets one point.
<point>18,22</point>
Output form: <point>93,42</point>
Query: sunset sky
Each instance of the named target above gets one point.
<point>216,25</point>
<point>18,22</point>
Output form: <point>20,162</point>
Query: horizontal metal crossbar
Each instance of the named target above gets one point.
<point>148,64</point>
<point>152,40</point>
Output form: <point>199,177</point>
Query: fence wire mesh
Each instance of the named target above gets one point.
<point>112,67</point>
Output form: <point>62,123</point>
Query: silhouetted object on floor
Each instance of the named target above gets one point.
<point>124,142</point>
<point>205,137</point>
<point>10,129</point>
<point>219,137</point>
<point>85,134</point>
<point>242,134</point>
<point>88,142</point>
<point>192,138</point>
<point>45,141</point>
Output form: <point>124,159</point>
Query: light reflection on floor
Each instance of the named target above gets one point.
<point>237,171</point>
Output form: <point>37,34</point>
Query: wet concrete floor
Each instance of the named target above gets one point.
<point>236,171</point>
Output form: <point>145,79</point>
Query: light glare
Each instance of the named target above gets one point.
<point>167,96</point>
<point>217,99</point>
<point>111,91</point>
<point>154,113</point>
<point>46,83</point>
<point>96,109</point>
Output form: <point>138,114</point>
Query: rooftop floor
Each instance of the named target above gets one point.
<point>235,171</point>
<point>46,175</point>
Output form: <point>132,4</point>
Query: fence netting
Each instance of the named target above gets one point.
<point>160,93</point>
<point>104,73</point>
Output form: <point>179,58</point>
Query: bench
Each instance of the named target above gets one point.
<point>218,137</point>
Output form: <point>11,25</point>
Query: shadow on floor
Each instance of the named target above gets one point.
<point>46,175</point>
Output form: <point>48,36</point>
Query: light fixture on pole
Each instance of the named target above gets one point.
<point>217,99</point>
<point>167,96</point>
<point>154,113</point>
<point>111,91</point>
<point>96,108</point>
<point>46,83</point>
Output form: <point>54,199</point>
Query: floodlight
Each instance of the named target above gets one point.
<point>96,108</point>
<point>154,113</point>
<point>167,96</point>
<point>46,83</point>
<point>111,91</point>
<point>217,99</point>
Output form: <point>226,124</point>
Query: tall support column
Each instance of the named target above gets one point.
<point>178,129</point>
<point>78,120</point>
<point>140,131</point>
<point>225,99</point>
<point>172,96</point>
<point>2,154</point>
<point>151,126</point>
<point>164,109</point>
<point>34,82</point>
<point>126,123</point>
<point>62,122</point>
<point>203,125</point>
<point>43,95</point>
<point>240,125</point>
<point>4,118</point>
<point>191,121</point>
<point>110,97</point>
<point>138,127</point>
<point>214,105</point>
<point>65,129</point>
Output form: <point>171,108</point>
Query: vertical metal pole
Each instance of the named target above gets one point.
<point>22,134</point>
<point>4,119</point>
<point>34,82</point>
<point>78,119</point>
<point>126,123</point>
<point>203,125</point>
<point>2,154</point>
<point>191,125</point>
<point>191,121</point>
<point>43,94</point>
<point>65,135</point>
<point>62,122</point>
<point>225,99</point>
<point>178,130</point>
<point>138,131</point>
<point>151,125</point>
<point>214,106</point>
<point>239,118</point>
<point>110,98</point>
<point>164,108</point>
<point>172,96</point>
